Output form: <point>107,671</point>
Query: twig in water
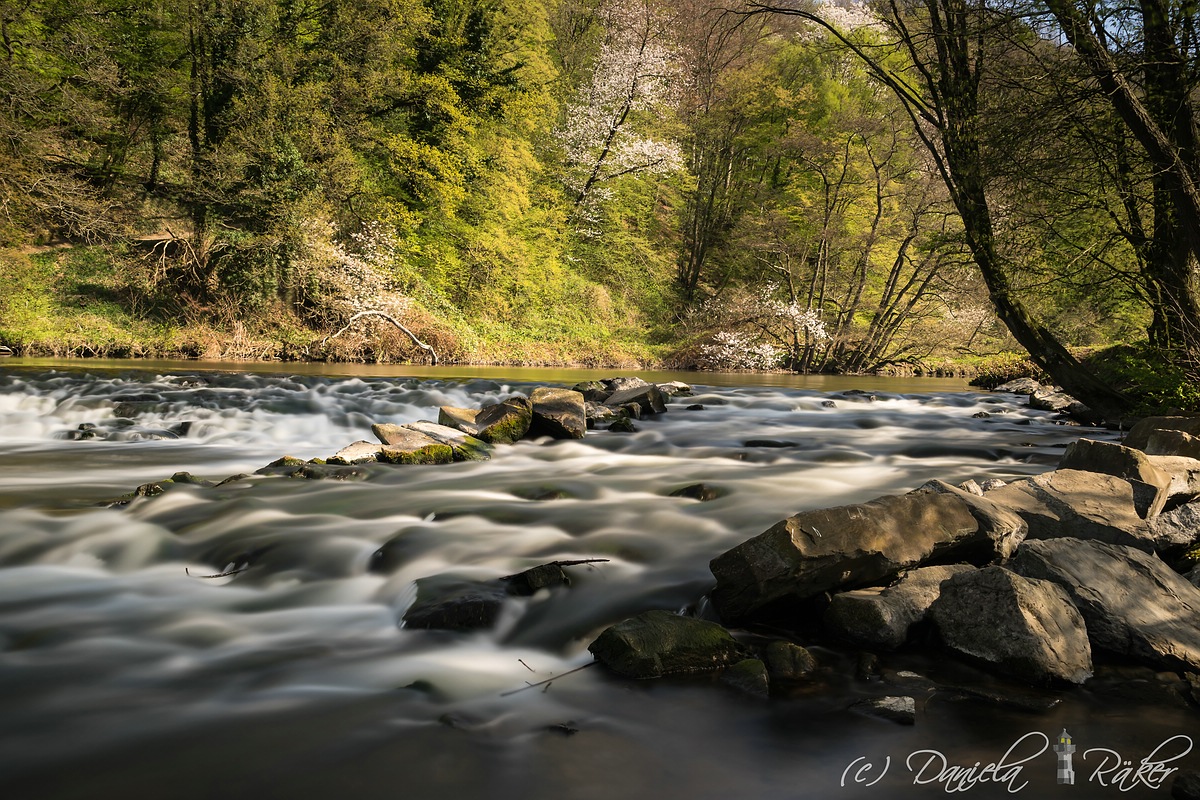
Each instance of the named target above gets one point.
<point>526,666</point>
<point>221,575</point>
<point>548,681</point>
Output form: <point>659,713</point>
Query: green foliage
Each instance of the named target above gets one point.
<point>1158,384</point>
<point>1001,368</point>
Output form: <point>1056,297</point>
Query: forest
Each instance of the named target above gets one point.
<point>927,186</point>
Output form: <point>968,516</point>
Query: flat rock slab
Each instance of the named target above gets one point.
<point>1134,604</point>
<point>357,453</point>
<point>657,643</point>
<point>899,709</point>
<point>881,618</point>
<point>1025,627</point>
<point>463,446</point>
<point>558,413</point>
<point>1077,504</point>
<point>1090,455</point>
<point>844,547</point>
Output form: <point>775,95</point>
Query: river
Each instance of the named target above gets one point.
<point>123,673</point>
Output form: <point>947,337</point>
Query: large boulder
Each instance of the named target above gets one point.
<point>558,413</point>
<point>846,547</point>
<point>463,446</point>
<point>498,423</point>
<point>1059,402</point>
<point>1090,455</point>
<point>1176,531</point>
<point>1073,503</point>
<point>657,643</point>
<point>1141,433</point>
<point>1172,443</point>
<point>1024,627</point>
<point>1134,604</point>
<point>1004,527</point>
<point>881,617</point>
<point>648,398</point>
<point>1184,473</point>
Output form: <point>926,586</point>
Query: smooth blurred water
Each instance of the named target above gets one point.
<point>121,674</point>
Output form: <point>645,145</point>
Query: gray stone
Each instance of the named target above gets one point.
<point>675,389</point>
<point>1059,402</point>
<point>1071,503</point>
<point>649,398</point>
<point>788,661</point>
<point>1134,604</point>
<point>447,602</point>
<point>1024,627</point>
<point>845,547</point>
<point>1139,435</point>
<point>971,487</point>
<point>1089,455</point>
<point>901,710</point>
<point>497,423</point>
<point>463,446</point>
<point>1020,386</point>
<point>657,643</point>
<point>991,484</point>
<point>558,413</point>
<point>881,618</point>
<point>1172,443</point>
<point>357,453</point>
<point>1177,530</point>
<point>592,391</point>
<point>697,491</point>
<point>622,383</point>
<point>403,445</point>
<point>1005,529</point>
<point>749,676</point>
<point>1184,473</point>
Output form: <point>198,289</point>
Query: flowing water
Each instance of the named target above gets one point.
<point>123,672</point>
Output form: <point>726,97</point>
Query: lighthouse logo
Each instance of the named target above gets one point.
<point>1064,748</point>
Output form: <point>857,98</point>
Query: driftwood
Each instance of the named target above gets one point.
<point>433,357</point>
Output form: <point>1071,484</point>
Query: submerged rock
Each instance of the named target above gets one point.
<point>697,491</point>
<point>1134,604</point>
<point>788,661</point>
<point>648,398</point>
<point>1025,627</point>
<point>901,710</point>
<point>748,676</point>
<point>657,643</point>
<point>881,617</point>
<point>357,453</point>
<point>447,602</point>
<point>847,546</point>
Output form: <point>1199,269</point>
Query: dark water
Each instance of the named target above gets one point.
<point>122,675</point>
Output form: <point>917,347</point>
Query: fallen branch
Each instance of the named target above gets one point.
<point>220,575</point>
<point>433,357</point>
<point>548,681</point>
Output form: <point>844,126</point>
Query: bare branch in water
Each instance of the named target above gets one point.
<point>548,681</point>
<point>220,575</point>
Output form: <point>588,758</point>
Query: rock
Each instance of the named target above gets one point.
<point>463,446</point>
<point>844,547</point>
<point>598,414</point>
<point>558,413</point>
<point>901,710</point>
<point>1172,443</point>
<point>1134,604</point>
<point>1071,503</point>
<point>769,443</point>
<point>622,424</point>
<point>1025,627</point>
<point>674,389</point>
<point>1005,529</point>
<point>403,445</point>
<point>881,618</point>
<point>1020,386</point>
<point>498,423</point>
<point>1059,402</point>
<point>748,675</point>
<point>1107,458</point>
<point>1176,531</point>
<point>358,453</point>
<point>1193,577</point>
<point>544,576</point>
<point>1184,473</point>
<point>448,602</point>
<point>1186,785</point>
<point>1140,433</point>
<point>697,491</point>
<point>981,415</point>
<point>649,398</point>
<point>867,667</point>
<point>288,462</point>
<point>592,391</point>
<point>828,404</point>
<point>788,661</point>
<point>991,484</point>
<point>623,383</point>
<point>695,407</point>
<point>971,487</point>
<point>657,643</point>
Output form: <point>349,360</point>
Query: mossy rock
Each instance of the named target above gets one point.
<point>657,643</point>
<point>434,453</point>
<point>749,676</point>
